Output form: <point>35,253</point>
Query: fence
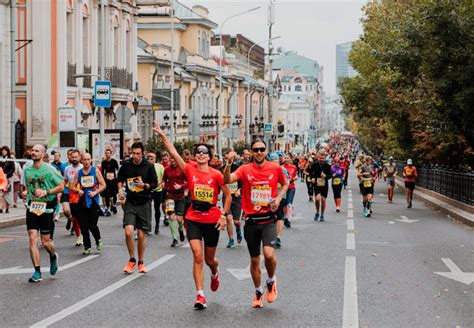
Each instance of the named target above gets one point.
<point>451,183</point>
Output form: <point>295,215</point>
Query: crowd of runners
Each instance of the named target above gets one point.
<point>249,195</point>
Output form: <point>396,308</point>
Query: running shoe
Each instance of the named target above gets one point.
<point>114,209</point>
<point>174,243</point>
<point>310,199</point>
<point>68,224</point>
<point>258,300</point>
<point>338,210</point>
<point>79,241</point>
<point>129,267</point>
<point>239,236</point>
<point>100,245</point>
<point>107,213</point>
<point>287,223</point>
<point>53,268</point>
<point>87,251</point>
<point>278,243</point>
<point>365,212</point>
<point>181,235</point>
<point>200,303</point>
<point>215,282</point>
<point>321,218</point>
<point>135,235</point>
<point>316,217</point>
<point>272,292</point>
<point>36,277</point>
<point>142,268</point>
<point>231,244</point>
<point>157,230</point>
<point>166,222</point>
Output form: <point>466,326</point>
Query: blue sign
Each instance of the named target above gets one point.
<point>268,127</point>
<point>102,94</point>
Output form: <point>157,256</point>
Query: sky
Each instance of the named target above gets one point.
<point>312,28</point>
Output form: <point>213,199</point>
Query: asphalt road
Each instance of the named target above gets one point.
<point>347,271</point>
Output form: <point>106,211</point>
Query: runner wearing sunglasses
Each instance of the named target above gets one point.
<point>204,219</point>
<point>260,201</point>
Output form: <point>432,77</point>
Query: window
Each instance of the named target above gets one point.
<point>128,51</point>
<point>298,87</point>
<point>116,45</point>
<point>289,88</point>
<point>70,38</point>
<point>85,40</point>
<point>199,43</point>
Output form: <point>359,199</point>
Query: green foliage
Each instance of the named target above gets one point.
<point>414,95</point>
<point>154,144</point>
<point>239,146</point>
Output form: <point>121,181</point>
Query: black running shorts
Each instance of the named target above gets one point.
<point>322,190</point>
<point>138,215</point>
<point>43,223</point>
<point>409,185</point>
<point>258,234</point>
<point>202,231</point>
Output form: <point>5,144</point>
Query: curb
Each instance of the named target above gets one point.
<point>12,222</point>
<point>456,210</point>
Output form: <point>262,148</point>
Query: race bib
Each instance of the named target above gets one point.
<point>320,182</point>
<point>409,172</point>
<point>110,175</point>
<point>391,169</point>
<point>132,186</point>
<point>87,181</point>
<point>204,194</point>
<point>367,183</point>
<point>233,187</point>
<point>38,208</point>
<point>336,181</point>
<point>261,195</point>
<point>169,205</point>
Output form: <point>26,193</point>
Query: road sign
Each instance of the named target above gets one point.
<point>102,94</point>
<point>268,128</point>
<point>155,107</point>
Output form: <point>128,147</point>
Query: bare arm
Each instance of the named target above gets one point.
<point>229,177</point>
<point>169,146</point>
<point>101,181</point>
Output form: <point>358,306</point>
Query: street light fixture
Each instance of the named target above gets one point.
<point>220,69</point>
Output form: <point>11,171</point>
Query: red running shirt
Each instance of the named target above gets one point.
<point>204,186</point>
<point>410,173</point>
<point>292,172</point>
<point>259,186</point>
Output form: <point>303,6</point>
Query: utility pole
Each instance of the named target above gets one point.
<point>102,75</point>
<point>13,73</point>
<point>271,21</point>
<point>172,132</point>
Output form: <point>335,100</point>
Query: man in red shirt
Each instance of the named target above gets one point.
<point>290,196</point>
<point>409,174</point>
<point>260,201</point>
<point>165,161</point>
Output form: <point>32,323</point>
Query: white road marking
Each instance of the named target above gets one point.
<point>186,245</point>
<point>350,213</point>
<point>391,222</point>
<point>456,273</point>
<point>20,270</point>
<point>350,318</point>
<point>242,274</point>
<point>406,220</point>
<point>97,296</point>
<point>349,206</point>
<point>350,224</point>
<point>350,241</point>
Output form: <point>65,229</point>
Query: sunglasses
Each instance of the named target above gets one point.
<point>201,150</point>
<point>259,150</point>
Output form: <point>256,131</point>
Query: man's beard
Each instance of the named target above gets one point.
<point>75,162</point>
<point>257,161</point>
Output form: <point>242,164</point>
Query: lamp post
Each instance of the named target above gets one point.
<point>172,71</point>
<point>219,147</point>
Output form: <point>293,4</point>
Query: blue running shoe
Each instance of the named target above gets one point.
<point>166,221</point>
<point>239,236</point>
<point>316,217</point>
<point>231,244</point>
<point>321,218</point>
<point>54,264</point>
<point>36,277</point>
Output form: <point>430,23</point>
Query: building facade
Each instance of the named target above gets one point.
<point>343,67</point>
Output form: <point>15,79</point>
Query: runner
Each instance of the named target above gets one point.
<point>175,183</point>
<point>301,167</point>
<point>309,182</point>
<point>236,203</point>
<point>69,198</point>
<point>290,195</point>
<point>138,176</point>
<point>389,172</point>
<point>42,183</point>
<point>366,175</point>
<point>89,183</point>
<point>260,199</point>
<point>157,193</point>
<point>8,167</point>
<point>280,213</point>
<point>338,175</point>
<point>410,173</point>
<point>345,164</point>
<point>60,167</point>
<point>165,161</point>
<point>109,168</point>
<point>320,175</point>
<point>204,219</point>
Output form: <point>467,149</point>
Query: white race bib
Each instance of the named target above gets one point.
<point>261,195</point>
<point>38,208</point>
<point>320,182</point>
<point>233,187</point>
<point>110,175</point>
<point>87,181</point>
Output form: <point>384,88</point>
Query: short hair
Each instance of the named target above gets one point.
<point>186,152</point>
<point>258,140</point>
<point>209,147</point>
<point>71,151</point>
<point>138,145</point>
<point>226,151</point>
<point>164,153</point>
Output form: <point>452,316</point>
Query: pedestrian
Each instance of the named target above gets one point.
<point>8,167</point>
<point>410,174</point>
<point>109,168</point>
<point>389,172</point>
<point>89,183</point>
<point>138,177</point>
<point>290,195</point>
<point>338,174</point>
<point>320,175</point>
<point>260,201</point>
<point>16,180</point>
<point>70,198</point>
<point>366,175</point>
<point>42,183</point>
<point>157,193</point>
<point>204,220</point>
<point>280,213</point>
<point>308,179</point>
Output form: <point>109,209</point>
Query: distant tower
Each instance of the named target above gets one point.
<point>343,67</point>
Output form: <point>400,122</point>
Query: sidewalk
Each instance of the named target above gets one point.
<point>17,216</point>
<point>454,209</point>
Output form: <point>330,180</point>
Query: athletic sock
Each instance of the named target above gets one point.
<point>180,225</point>
<point>37,269</point>
<point>259,289</point>
<point>140,262</point>
<point>174,229</point>
<point>215,275</point>
<point>132,259</point>
<point>200,292</point>
<point>272,279</point>
<point>52,258</point>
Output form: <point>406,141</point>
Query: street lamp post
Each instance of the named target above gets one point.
<point>102,76</point>
<point>219,146</point>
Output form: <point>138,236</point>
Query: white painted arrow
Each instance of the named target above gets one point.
<point>242,274</point>
<point>20,270</point>
<point>406,220</point>
<point>456,273</point>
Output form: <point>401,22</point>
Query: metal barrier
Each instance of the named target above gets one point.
<point>448,182</point>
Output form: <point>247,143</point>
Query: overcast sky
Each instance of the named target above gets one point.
<point>310,27</point>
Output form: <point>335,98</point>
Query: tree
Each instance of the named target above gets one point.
<point>154,144</point>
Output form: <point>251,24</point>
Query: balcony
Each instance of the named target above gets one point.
<point>71,73</point>
<point>119,77</point>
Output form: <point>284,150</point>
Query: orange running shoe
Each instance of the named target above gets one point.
<point>200,303</point>
<point>142,268</point>
<point>129,267</point>
<point>272,292</point>
<point>258,300</point>
<point>215,282</point>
